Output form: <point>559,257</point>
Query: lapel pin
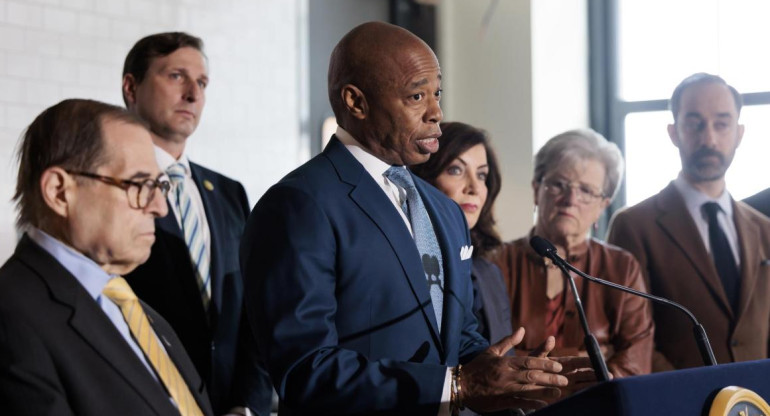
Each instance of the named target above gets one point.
<point>208,185</point>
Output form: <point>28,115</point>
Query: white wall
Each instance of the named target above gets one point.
<point>523,78</point>
<point>56,49</point>
<point>560,76</point>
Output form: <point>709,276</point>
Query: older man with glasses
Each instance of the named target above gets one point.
<point>74,339</point>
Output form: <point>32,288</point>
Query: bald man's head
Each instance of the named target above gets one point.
<point>384,88</point>
<point>364,53</point>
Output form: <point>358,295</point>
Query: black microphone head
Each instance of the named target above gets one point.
<point>542,247</point>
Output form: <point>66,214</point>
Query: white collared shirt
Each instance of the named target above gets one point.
<point>165,160</point>
<point>694,200</point>
<point>376,169</point>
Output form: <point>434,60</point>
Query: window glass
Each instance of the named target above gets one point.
<point>750,171</point>
<point>660,42</point>
<point>652,161</point>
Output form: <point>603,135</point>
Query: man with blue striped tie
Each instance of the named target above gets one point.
<point>192,277</point>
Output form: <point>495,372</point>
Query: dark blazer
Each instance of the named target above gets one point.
<point>492,307</point>
<point>662,235</point>
<point>338,298</point>
<point>61,355</point>
<point>167,282</point>
<point>760,201</point>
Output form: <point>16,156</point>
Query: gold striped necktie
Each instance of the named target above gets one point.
<point>118,290</point>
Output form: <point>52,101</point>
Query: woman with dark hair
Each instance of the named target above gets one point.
<point>576,175</point>
<point>465,169</point>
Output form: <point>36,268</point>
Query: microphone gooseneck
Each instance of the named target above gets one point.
<point>544,248</point>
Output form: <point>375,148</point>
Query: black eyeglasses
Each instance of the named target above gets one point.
<point>139,192</point>
<point>585,195</point>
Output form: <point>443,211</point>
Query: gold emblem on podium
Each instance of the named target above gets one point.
<point>737,401</point>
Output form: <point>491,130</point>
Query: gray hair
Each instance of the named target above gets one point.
<point>578,145</point>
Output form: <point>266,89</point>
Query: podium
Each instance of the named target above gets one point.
<point>681,392</point>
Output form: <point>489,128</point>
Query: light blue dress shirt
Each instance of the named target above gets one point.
<point>93,279</point>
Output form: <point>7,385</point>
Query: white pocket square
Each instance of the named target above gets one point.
<point>466,252</point>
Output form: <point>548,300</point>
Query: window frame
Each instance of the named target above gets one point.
<point>607,110</point>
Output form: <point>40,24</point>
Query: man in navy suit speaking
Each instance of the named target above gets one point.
<point>357,274</point>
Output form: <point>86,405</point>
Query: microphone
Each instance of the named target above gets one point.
<point>544,248</point>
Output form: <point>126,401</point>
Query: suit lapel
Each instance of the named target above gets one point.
<point>213,217</point>
<point>376,205</point>
<point>748,240</point>
<point>177,353</point>
<point>483,285</point>
<point>675,222</point>
<point>90,322</point>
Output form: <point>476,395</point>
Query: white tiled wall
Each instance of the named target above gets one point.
<point>56,49</point>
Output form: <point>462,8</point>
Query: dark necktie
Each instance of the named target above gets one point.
<point>722,254</point>
<point>424,237</point>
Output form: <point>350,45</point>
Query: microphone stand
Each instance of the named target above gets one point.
<point>544,248</point>
<point>707,354</point>
<point>592,346</point>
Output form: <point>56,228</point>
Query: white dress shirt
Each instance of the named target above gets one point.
<point>376,169</point>
<point>694,200</point>
<point>396,194</point>
<point>165,160</point>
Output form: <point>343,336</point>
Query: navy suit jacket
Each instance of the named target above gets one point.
<point>167,282</point>
<point>338,298</point>
<point>61,355</point>
<point>760,201</point>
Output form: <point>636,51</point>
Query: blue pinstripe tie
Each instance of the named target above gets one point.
<point>424,237</point>
<point>193,233</point>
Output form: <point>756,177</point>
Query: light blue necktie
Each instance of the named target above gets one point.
<point>193,234</point>
<point>424,236</point>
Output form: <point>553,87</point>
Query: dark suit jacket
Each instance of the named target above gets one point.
<point>61,355</point>
<point>338,297</point>
<point>760,201</point>
<point>494,307</point>
<point>661,234</point>
<point>167,282</point>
